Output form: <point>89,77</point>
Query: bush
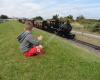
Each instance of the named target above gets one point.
<point>3,17</point>
<point>96,27</point>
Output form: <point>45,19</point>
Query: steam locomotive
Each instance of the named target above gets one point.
<point>55,26</point>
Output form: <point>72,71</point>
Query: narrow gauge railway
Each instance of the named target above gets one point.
<point>59,28</point>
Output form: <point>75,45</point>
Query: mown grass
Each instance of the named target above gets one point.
<point>62,60</point>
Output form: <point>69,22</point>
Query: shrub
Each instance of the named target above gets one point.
<point>96,27</point>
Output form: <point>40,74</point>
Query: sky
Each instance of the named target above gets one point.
<point>48,8</point>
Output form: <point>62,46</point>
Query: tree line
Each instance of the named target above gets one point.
<point>4,17</point>
<point>55,17</point>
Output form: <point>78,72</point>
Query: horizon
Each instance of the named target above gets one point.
<point>47,8</point>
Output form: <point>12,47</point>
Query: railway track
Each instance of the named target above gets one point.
<point>87,44</point>
<point>95,47</point>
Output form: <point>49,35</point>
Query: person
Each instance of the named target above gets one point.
<point>29,45</point>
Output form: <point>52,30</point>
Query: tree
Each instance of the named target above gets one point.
<point>99,20</point>
<point>55,17</point>
<point>96,27</point>
<point>80,17</point>
<point>38,18</point>
<point>62,19</point>
<point>70,18</point>
<point>3,17</point>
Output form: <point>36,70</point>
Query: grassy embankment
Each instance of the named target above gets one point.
<point>62,60</point>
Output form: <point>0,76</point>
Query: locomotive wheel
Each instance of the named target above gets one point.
<point>55,32</point>
<point>70,36</point>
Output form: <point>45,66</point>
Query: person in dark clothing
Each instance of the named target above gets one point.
<point>29,45</point>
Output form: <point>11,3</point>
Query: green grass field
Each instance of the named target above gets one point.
<point>62,60</point>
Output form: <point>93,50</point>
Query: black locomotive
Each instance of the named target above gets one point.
<point>55,26</point>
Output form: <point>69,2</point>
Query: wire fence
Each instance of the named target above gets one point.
<point>4,20</point>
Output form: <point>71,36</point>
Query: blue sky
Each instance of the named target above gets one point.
<point>47,8</point>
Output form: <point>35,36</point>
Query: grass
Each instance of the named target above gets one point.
<point>87,26</point>
<point>91,40</point>
<point>81,28</point>
<point>62,60</point>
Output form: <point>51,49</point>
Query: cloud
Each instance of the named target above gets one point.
<point>89,10</point>
<point>47,8</point>
<point>20,8</point>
